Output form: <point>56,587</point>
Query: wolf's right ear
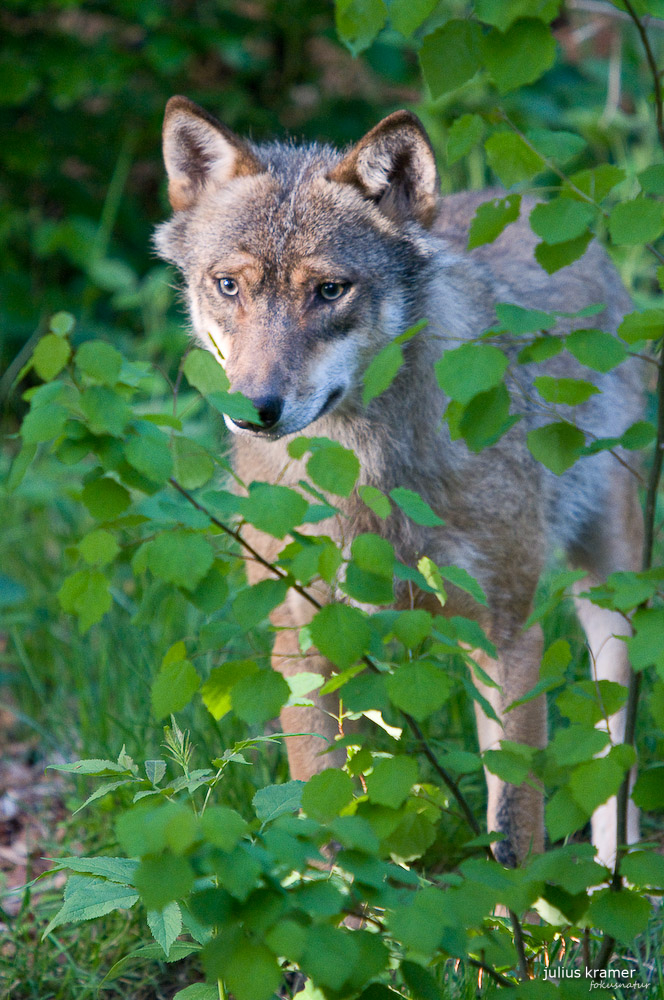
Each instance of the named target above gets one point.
<point>199,150</point>
<point>395,167</point>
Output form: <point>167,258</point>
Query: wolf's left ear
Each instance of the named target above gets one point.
<point>199,150</point>
<point>394,166</point>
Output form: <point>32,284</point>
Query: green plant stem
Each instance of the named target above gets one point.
<point>221,989</point>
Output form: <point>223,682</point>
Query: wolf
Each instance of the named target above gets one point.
<point>300,262</point>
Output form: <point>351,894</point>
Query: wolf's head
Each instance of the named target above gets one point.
<point>299,262</point>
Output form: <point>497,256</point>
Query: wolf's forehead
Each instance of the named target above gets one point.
<point>286,227</point>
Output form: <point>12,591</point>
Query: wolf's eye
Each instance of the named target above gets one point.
<point>228,286</point>
<point>331,290</point>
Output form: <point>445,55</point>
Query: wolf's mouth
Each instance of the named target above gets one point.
<point>331,401</point>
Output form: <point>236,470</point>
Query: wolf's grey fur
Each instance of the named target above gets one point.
<point>281,221</point>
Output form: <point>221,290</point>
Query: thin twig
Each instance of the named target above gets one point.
<point>234,533</point>
<point>501,980</point>
<point>447,778</point>
<point>519,945</point>
<point>654,71</point>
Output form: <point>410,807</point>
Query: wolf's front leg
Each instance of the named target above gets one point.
<point>517,812</point>
<point>320,722</point>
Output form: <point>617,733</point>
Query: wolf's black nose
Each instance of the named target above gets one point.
<point>269,410</point>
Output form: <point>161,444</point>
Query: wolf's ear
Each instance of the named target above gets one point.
<point>394,166</point>
<point>197,150</point>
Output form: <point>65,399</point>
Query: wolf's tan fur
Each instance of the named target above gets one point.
<point>280,221</point>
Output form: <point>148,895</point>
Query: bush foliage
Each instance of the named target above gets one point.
<point>377,879</point>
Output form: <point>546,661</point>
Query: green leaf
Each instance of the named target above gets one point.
<point>160,880</point>
<point>516,319</point>
<point>557,446</point>
<point>180,557</point>
<point>541,349</point>
<point>558,146</point>
<point>552,257</point>
<point>417,509</point>
<point>87,897</point>
<point>465,133</point>
<point>561,220</point>
<point>21,464</point>
<point>253,605</point>
<point>223,827</point>
<point>596,349</point>
<point>566,391</point>
<point>590,701</point>
<point>652,179</point>
<point>421,984</point>
<point>576,744</point>
<point>50,356</point>
<point>274,509</point>
<point>381,371</point>
<point>173,688</point>
<point>594,781</point>
<point>391,780</point>
<point>105,498</point>
<point>98,547</point>
<point>277,800</point>
<point>407,15</point>
<point>234,405</point>
<point>165,925</point>
<point>519,56</point>
<point>596,182</point>
<point>62,324</point>
<point>192,464</point>
<point>646,646</point>
<point>43,423</point>
<point>259,696</point>
<point>198,991</point>
<point>105,411</point>
<point>648,792</point>
<point>645,868</point>
<point>151,829</point>
<point>375,500</point>
<point>359,21</point>
<point>564,815</point>
<point>486,418</point>
<point>638,221</point>
<point>646,325</point>
<point>624,915</point>
<point>450,56</point>
<point>511,159</point>
<point>341,633</point>
<point>119,870</point>
<point>93,765</point>
<point>369,575</point>
<point>204,372</point>
<point>491,218</point>
<point>330,956</point>
<point>412,627</point>
<point>334,468</point>
<point>99,361</point>
<point>85,593</point>
<point>419,688</point>
<point>216,691</point>
<point>638,435</point>
<point>501,13</point>
<point>149,454</point>
<point>326,794</point>
<point>465,371</point>
<point>462,579</point>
